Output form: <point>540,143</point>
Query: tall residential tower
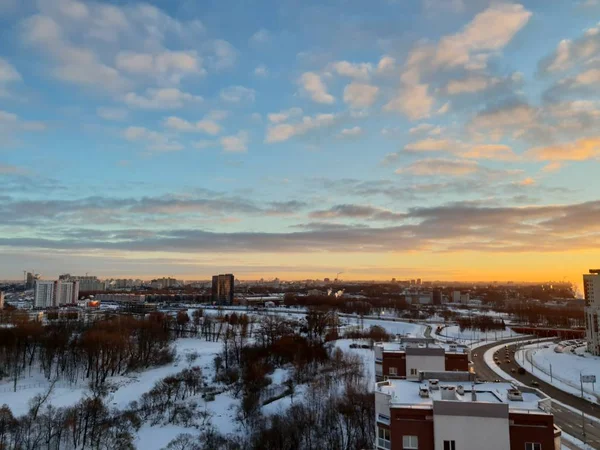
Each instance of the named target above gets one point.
<point>591,290</point>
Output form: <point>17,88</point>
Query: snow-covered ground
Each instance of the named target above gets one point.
<point>468,336</point>
<point>131,387</point>
<point>393,327</point>
<point>566,368</point>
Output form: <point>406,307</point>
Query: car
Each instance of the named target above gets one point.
<point>498,362</point>
<point>507,361</point>
<point>497,381</point>
<point>513,370</point>
<point>475,355</point>
<point>521,371</point>
<point>534,383</point>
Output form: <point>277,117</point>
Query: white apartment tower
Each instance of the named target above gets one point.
<point>43,294</point>
<point>66,292</point>
<point>50,294</point>
<point>591,290</point>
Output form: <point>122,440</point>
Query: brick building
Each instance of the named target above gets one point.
<point>452,415</point>
<point>406,358</point>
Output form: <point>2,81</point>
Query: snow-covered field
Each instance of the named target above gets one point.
<point>467,336</point>
<point>566,368</point>
<point>131,388</point>
<point>393,327</point>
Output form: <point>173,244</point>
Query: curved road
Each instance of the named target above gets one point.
<point>566,419</point>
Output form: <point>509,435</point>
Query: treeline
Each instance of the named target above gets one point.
<point>89,424</point>
<point>326,420</point>
<point>75,350</point>
<point>481,323</point>
<point>366,306</point>
<point>540,315</point>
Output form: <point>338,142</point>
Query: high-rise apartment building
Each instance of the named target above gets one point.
<point>66,292</point>
<point>30,281</point>
<point>50,294</point>
<point>222,288</point>
<point>43,296</point>
<point>591,290</point>
<point>87,283</point>
<point>1,299</point>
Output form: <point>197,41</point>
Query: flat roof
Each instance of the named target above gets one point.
<point>406,393</point>
<point>396,346</point>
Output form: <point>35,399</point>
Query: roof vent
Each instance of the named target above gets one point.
<point>423,392</point>
<point>460,390</point>
<point>514,395</point>
<point>434,385</point>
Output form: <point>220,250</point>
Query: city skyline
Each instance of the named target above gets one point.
<point>443,140</point>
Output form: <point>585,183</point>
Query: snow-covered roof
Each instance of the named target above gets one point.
<point>408,393</point>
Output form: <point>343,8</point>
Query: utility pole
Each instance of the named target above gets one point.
<point>581,382</point>
<point>583,426</point>
<point>550,373</point>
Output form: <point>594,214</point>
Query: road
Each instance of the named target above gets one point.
<point>569,421</point>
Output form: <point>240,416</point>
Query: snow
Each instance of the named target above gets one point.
<point>466,336</point>
<point>391,326</point>
<point>566,368</point>
<point>156,437</point>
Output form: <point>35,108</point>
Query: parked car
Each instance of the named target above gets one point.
<point>521,371</point>
<point>535,383</point>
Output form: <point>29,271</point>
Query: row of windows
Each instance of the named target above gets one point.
<point>412,442</point>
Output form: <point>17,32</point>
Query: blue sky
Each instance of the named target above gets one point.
<point>299,138</point>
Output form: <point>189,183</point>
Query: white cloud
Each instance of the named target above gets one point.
<point>360,71</point>
<point>262,36</point>
<point>413,101</point>
<point>205,125</point>
<point>351,132</point>
<point>490,151</point>
<point>238,94</point>
<point>360,95</point>
<point>236,143</point>
<point>8,74</point>
<point>312,84</point>
<point>443,109</point>
<point>112,113</point>
<point>223,54</point>
<point>589,77</point>
<point>166,98</point>
<point>489,31</point>
<point>386,64</point>
<point>154,141</point>
<point>261,71</point>
<point>167,65</point>
<point>440,167</point>
<point>431,145</point>
<point>10,123</point>
<point>284,131</point>
<point>471,84</point>
<point>284,115</point>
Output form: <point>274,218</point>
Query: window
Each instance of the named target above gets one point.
<point>449,445</point>
<point>410,442</point>
<point>383,438</point>
<point>393,371</point>
<point>413,371</point>
<point>533,446</point>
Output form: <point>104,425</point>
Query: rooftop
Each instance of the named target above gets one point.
<point>417,394</point>
<point>400,346</point>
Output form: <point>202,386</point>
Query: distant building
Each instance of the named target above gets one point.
<point>30,281</point>
<point>405,359</point>
<point>456,297</point>
<point>86,283</point>
<point>222,288</point>
<point>48,294</point>
<point>591,291</point>
<point>1,300</point>
<point>418,282</point>
<point>437,297</point>
<point>43,296</point>
<point>66,292</point>
<point>465,298</point>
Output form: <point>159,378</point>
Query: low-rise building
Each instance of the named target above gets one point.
<point>461,415</point>
<point>407,357</point>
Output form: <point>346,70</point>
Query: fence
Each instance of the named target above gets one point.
<point>554,376</point>
<point>21,387</point>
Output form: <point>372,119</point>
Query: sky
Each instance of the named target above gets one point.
<point>439,139</point>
